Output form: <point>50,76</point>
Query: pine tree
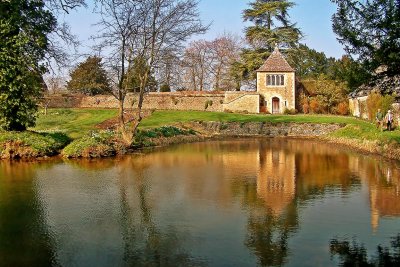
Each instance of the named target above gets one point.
<point>370,31</point>
<point>89,78</point>
<point>271,28</point>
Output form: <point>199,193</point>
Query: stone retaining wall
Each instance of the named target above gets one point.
<point>264,129</point>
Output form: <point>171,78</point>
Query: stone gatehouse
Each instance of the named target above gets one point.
<point>276,90</point>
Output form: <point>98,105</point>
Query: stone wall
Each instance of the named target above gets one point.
<point>247,102</point>
<point>358,107</point>
<point>209,101</point>
<point>264,129</point>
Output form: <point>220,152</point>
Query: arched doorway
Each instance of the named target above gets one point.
<point>275,105</point>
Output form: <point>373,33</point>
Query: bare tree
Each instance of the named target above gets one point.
<point>143,29</point>
<point>224,51</point>
<point>55,83</point>
<point>62,36</point>
<point>196,64</point>
<point>207,63</point>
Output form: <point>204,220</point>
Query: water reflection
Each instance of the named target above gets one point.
<point>234,203</point>
<point>25,239</point>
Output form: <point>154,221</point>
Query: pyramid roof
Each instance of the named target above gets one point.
<point>276,63</point>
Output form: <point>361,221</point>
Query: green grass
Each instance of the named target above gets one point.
<point>73,122</point>
<point>355,129</point>
<point>78,122</point>
<point>160,118</point>
<point>43,143</point>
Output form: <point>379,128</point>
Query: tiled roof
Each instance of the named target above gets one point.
<point>276,63</point>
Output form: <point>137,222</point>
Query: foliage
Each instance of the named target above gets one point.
<point>310,64</point>
<point>376,101</point>
<point>307,62</point>
<point>42,144</point>
<point>136,70</point>
<point>354,254</point>
<point>325,95</point>
<point>349,71</point>
<point>271,27</point>
<point>370,30</point>
<point>165,88</point>
<point>208,103</point>
<point>290,111</point>
<point>145,31</point>
<point>89,78</point>
<point>343,108</point>
<point>24,29</point>
<point>271,24</point>
<point>96,144</point>
<point>143,136</point>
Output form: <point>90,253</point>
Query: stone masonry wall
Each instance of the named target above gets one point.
<point>169,101</point>
<point>264,129</point>
<point>247,102</point>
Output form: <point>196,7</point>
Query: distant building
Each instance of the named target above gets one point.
<point>383,85</point>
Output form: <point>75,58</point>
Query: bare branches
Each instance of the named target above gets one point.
<point>145,30</point>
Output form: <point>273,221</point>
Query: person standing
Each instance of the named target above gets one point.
<point>379,119</point>
<point>389,120</point>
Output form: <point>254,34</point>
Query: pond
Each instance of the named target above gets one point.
<point>240,202</point>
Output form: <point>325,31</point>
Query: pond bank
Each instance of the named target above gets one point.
<point>107,144</point>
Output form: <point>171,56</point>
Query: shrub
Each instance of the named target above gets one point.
<point>291,111</point>
<point>208,103</point>
<point>94,145</point>
<point>343,108</point>
<point>376,101</point>
<point>314,106</point>
<point>165,88</point>
<point>306,108</point>
<point>32,144</point>
<point>142,137</point>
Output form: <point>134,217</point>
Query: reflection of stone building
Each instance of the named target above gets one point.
<point>276,182</point>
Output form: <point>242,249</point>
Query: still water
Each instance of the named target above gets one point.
<point>251,202</point>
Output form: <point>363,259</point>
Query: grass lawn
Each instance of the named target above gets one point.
<point>77,122</point>
<point>160,118</point>
<point>73,122</point>
<point>355,129</point>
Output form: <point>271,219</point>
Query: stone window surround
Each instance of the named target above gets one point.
<point>268,80</point>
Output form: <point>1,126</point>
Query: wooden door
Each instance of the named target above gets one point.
<point>275,105</point>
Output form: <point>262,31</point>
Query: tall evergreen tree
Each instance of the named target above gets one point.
<point>24,29</point>
<point>89,78</point>
<point>271,27</point>
<point>370,31</point>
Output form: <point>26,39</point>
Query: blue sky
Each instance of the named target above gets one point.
<point>313,17</point>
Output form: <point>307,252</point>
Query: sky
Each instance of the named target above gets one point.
<point>313,17</point>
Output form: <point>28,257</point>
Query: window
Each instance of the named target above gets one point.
<point>275,80</point>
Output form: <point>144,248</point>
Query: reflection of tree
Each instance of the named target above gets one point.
<point>268,234</point>
<point>24,239</point>
<point>355,254</point>
<point>145,243</point>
